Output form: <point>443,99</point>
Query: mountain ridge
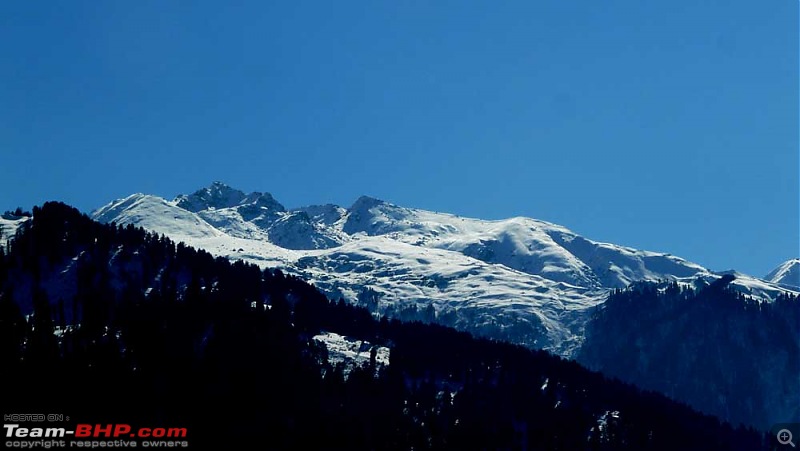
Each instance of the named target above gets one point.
<point>519,279</point>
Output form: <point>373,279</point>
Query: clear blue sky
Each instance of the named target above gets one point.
<point>669,126</point>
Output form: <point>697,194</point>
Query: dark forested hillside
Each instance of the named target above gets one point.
<point>109,324</point>
<point>730,355</point>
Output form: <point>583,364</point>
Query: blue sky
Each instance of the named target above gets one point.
<point>669,126</point>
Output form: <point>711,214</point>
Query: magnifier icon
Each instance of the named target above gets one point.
<point>785,437</point>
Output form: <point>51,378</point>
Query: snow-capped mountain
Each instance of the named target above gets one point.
<point>519,279</point>
<point>787,274</point>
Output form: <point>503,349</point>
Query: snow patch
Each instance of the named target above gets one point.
<point>352,353</point>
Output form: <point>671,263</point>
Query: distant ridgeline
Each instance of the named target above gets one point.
<point>728,354</point>
<point>109,324</point>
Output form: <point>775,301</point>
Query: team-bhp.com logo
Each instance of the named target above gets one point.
<point>95,431</point>
<point>83,435</point>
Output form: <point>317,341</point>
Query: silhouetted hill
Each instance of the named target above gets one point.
<point>108,323</point>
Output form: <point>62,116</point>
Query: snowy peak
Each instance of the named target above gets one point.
<point>362,214</point>
<point>263,200</point>
<point>787,273</point>
<point>217,195</point>
<point>365,203</point>
<point>376,217</point>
